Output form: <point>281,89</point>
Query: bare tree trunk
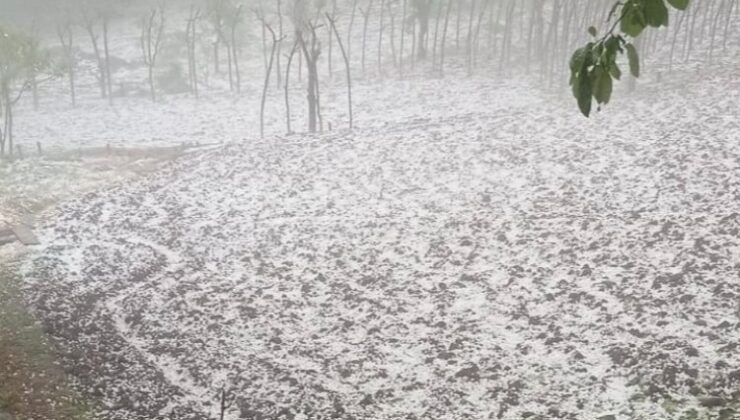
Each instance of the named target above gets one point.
<point>436,35</point>
<point>469,41</point>
<point>268,72</point>
<point>234,49</point>
<point>423,9</point>
<point>191,37</point>
<point>366,17</point>
<point>727,24</point>
<point>229,62</point>
<point>476,40</point>
<point>151,43</point>
<point>690,36</point>
<point>216,59</point>
<point>106,51</point>
<point>444,38</point>
<point>457,27</point>
<point>89,25</point>
<point>403,34</point>
<point>393,34</point>
<point>347,67</point>
<point>715,23</point>
<point>7,122</point>
<point>673,43</point>
<point>281,35</point>
<point>413,43</point>
<point>287,86</point>
<point>380,39</point>
<point>312,55</point>
<point>349,28</point>
<point>67,40</point>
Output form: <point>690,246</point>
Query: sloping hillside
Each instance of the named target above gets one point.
<point>456,258</point>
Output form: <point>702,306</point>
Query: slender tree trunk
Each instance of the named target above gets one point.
<point>675,38</point>
<point>436,35</point>
<point>67,40</point>
<point>287,86</point>
<point>713,34</point>
<point>230,64</point>
<point>413,44</point>
<point>422,13</point>
<point>403,36</point>
<point>268,72</point>
<point>457,26</point>
<point>469,41</point>
<point>347,68</point>
<point>476,43</point>
<point>352,16</point>
<point>278,71</point>
<point>393,34</point>
<point>216,66</point>
<point>727,24</point>
<point>235,58</point>
<point>366,17</point>
<point>106,51</point>
<point>380,39</point>
<point>444,38</point>
<point>89,26</point>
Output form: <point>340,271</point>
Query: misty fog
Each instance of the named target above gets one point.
<point>369,209</point>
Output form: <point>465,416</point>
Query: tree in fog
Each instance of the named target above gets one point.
<point>21,60</point>
<point>65,33</point>
<point>191,38</point>
<point>306,16</point>
<point>152,34</point>
<point>226,17</point>
<point>422,12</point>
<point>96,19</point>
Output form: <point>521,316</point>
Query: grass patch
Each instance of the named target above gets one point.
<point>32,383</point>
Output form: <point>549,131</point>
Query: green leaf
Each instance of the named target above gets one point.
<point>576,61</point>
<point>679,4</point>
<point>604,85</point>
<point>633,21</point>
<point>592,31</point>
<point>615,71</point>
<point>656,13</point>
<point>583,92</point>
<point>634,60</point>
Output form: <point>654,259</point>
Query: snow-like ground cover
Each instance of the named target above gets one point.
<point>474,250</point>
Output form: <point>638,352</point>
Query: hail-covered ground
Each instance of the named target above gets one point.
<point>474,249</point>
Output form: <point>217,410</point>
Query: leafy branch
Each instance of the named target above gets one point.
<point>594,66</point>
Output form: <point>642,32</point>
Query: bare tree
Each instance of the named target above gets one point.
<point>268,72</point>
<point>423,9</point>
<point>287,85</point>
<point>281,35</point>
<point>234,19</point>
<point>304,22</point>
<point>366,21</point>
<point>444,38</point>
<point>66,39</point>
<point>347,68</point>
<point>152,33</point>
<point>89,22</point>
<point>380,39</point>
<point>403,33</point>
<point>191,38</point>
<point>352,15</point>
<point>106,51</point>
